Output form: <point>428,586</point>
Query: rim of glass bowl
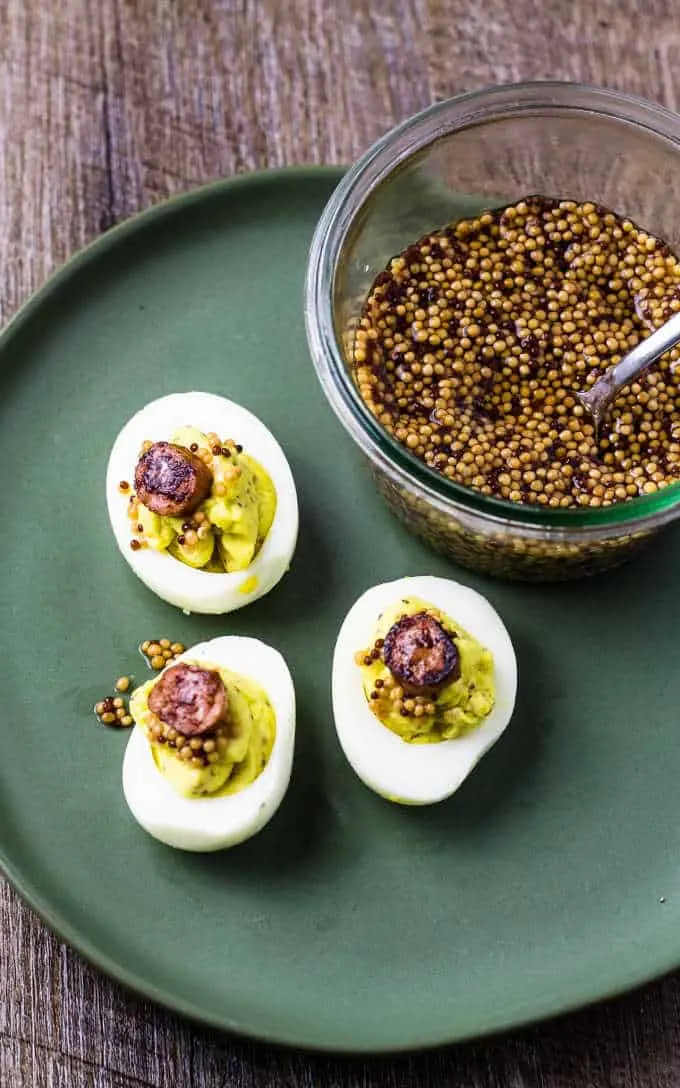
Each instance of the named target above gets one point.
<point>336,222</point>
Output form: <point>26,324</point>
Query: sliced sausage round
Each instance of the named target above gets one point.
<point>171,480</point>
<point>189,699</point>
<point>420,654</point>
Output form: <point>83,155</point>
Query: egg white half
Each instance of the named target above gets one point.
<point>417,774</point>
<point>202,824</point>
<point>173,581</point>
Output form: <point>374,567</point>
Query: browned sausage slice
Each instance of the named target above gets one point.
<point>189,699</point>
<point>420,654</point>
<point>171,480</point>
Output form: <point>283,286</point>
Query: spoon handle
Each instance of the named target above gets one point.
<point>597,398</point>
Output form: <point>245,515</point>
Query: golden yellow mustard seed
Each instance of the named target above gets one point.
<point>473,344</point>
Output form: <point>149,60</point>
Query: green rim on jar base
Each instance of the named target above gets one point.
<point>334,228</point>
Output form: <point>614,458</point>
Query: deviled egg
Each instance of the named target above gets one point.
<point>210,757</point>
<point>202,502</point>
<point>424,682</point>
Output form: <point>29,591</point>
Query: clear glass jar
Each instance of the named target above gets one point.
<point>474,152</point>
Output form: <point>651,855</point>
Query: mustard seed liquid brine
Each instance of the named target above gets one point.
<point>474,341</point>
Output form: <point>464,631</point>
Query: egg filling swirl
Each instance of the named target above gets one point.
<point>202,499</point>
<point>211,730</point>
<point>424,676</point>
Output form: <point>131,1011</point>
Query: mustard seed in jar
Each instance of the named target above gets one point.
<point>474,342</point>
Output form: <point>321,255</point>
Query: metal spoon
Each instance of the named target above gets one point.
<point>597,399</point>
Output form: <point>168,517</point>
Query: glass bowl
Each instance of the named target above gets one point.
<point>480,151</point>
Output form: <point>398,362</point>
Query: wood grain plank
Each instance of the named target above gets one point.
<point>107,106</point>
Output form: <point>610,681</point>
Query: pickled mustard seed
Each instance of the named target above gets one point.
<point>201,750</point>
<point>113,711</point>
<point>160,652</point>
<point>473,343</point>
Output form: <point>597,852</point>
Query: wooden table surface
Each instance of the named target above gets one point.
<point>107,106</point>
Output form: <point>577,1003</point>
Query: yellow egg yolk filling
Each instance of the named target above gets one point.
<point>455,709</point>
<point>223,761</point>
<point>229,527</point>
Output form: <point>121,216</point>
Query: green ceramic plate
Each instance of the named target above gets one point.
<point>551,879</point>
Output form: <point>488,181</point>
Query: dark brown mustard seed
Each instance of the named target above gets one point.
<point>226,452</point>
<point>239,449</point>
<point>193,447</point>
<point>473,344</point>
<point>135,545</point>
<point>123,486</point>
